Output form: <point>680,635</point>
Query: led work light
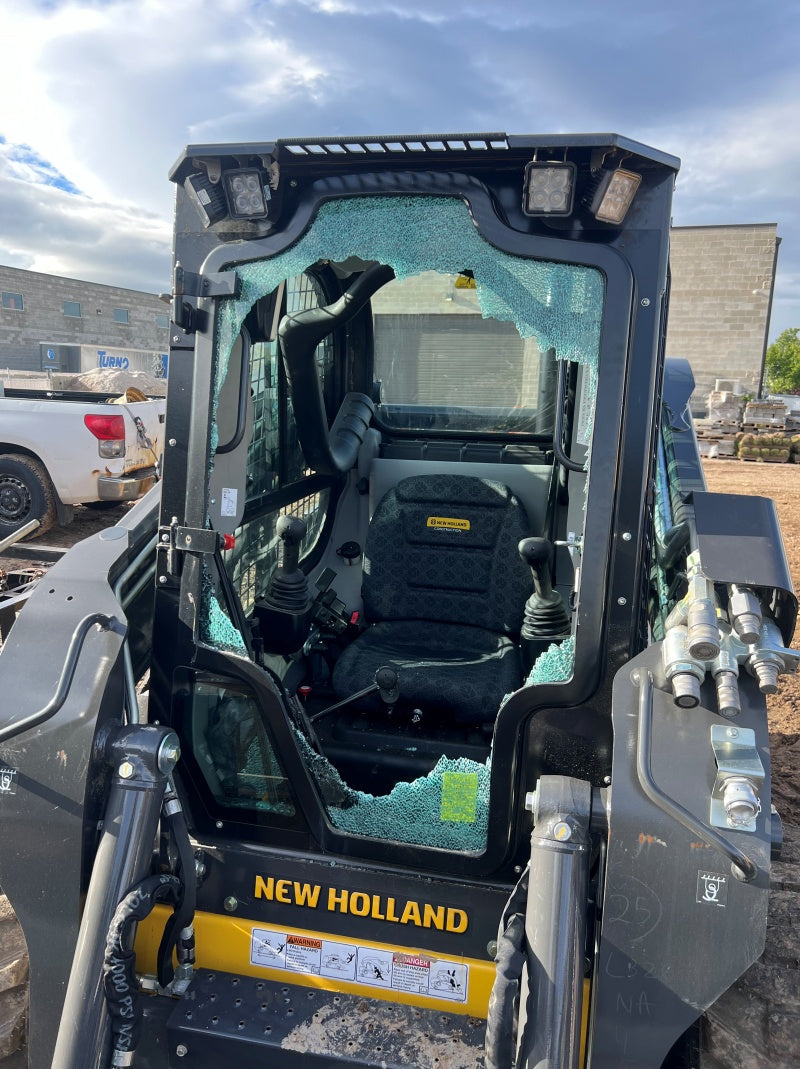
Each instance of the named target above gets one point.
<point>208,197</point>
<point>549,188</point>
<point>246,193</point>
<point>614,195</point>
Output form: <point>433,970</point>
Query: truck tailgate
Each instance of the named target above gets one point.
<point>144,433</point>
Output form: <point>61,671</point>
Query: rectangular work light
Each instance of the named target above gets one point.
<point>246,193</point>
<point>614,195</point>
<point>207,196</point>
<point>549,188</point>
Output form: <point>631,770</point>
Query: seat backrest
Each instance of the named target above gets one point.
<point>444,548</point>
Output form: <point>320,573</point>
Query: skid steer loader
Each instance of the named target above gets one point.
<point>419,719</point>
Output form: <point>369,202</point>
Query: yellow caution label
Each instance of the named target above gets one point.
<point>464,282</point>
<point>450,522</point>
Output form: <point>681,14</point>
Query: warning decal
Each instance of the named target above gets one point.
<point>371,966</point>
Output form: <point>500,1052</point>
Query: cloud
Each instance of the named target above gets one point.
<point>106,93</point>
<point>45,228</point>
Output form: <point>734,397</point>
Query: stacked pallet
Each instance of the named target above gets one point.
<point>761,414</point>
<point>716,434</point>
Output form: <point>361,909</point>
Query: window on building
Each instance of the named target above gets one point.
<point>162,320</point>
<point>120,315</point>
<point>13,301</point>
<point>72,308</point>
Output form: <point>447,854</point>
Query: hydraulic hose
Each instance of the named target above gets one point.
<point>119,963</point>
<point>179,929</point>
<point>503,1017</point>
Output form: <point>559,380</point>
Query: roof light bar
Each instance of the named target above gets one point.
<point>549,188</point>
<point>614,195</point>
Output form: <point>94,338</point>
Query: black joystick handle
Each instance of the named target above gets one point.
<point>386,680</point>
<point>290,530</point>
<point>537,553</point>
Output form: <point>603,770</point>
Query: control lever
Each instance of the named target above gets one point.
<point>284,612</point>
<point>385,682</point>
<point>546,619</point>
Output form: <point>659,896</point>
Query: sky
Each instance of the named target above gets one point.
<point>100,97</point>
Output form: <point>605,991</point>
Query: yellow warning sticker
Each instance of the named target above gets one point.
<point>373,966</point>
<point>450,522</point>
<point>459,797</point>
<point>465,282</point>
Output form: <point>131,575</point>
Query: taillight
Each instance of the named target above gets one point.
<point>110,433</point>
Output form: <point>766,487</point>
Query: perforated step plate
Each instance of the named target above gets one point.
<point>247,1023</point>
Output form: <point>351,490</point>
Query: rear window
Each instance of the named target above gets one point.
<point>444,364</point>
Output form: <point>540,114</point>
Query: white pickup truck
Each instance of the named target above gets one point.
<point>59,449</point>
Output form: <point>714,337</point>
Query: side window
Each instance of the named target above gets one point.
<point>234,749</point>
<point>275,460</point>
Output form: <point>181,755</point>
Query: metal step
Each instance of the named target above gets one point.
<point>228,1020</point>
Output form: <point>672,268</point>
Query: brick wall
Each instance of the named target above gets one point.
<point>715,319</point>
<point>42,319</point>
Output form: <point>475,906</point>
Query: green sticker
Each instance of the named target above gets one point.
<point>459,797</point>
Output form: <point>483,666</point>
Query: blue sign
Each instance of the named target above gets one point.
<point>51,355</point>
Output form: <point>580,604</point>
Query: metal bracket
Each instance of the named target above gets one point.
<point>213,284</point>
<point>190,284</point>
<point>176,539</point>
<point>738,768</point>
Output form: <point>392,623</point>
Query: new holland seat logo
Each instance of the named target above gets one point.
<point>362,904</point>
<point>450,523</point>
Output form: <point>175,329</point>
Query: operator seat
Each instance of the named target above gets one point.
<point>443,591</point>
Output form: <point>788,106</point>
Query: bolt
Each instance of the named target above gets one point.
<point>162,579</point>
<point>732,733</point>
<point>606,781</point>
<point>562,831</point>
<point>626,536</point>
<point>181,1050</point>
<point>231,904</point>
<point>219,824</point>
<point>172,441</point>
<point>168,753</point>
<point>165,538</point>
<point>293,183</point>
<point>176,337</point>
<point>126,770</point>
<point>491,948</point>
<point>188,540</point>
<point>645,302</point>
<point>622,601</point>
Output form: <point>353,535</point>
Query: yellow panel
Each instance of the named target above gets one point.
<point>224,943</point>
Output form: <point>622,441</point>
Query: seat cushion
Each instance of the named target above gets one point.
<point>451,668</point>
<point>444,548</point>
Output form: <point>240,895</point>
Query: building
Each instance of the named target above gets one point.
<point>720,302</point>
<point>721,297</point>
<point>63,324</point>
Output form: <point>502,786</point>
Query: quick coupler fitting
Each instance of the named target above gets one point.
<point>744,611</point>
<point>725,671</point>
<point>701,613</point>
<point>740,801</point>
<point>684,672</point>
<point>766,662</point>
